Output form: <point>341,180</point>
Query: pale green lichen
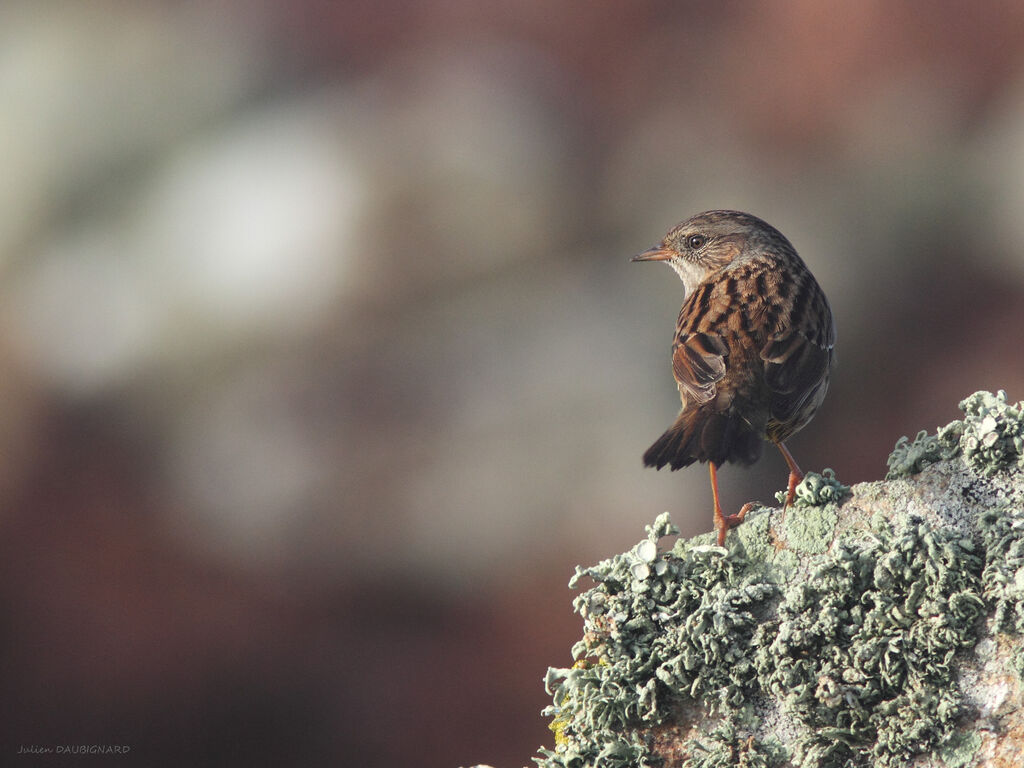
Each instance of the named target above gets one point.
<point>861,652</point>
<point>810,522</point>
<point>753,538</point>
<point>990,438</point>
<point>677,629</point>
<point>725,748</point>
<point>754,541</point>
<point>1003,534</point>
<point>817,490</point>
<point>961,751</point>
<point>909,458</point>
<point>811,530</point>
<point>785,562</point>
<point>993,437</point>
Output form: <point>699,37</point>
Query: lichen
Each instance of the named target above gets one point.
<point>677,628</point>
<point>1003,535</point>
<point>858,663</point>
<point>993,437</point>
<point>861,653</point>
<point>751,541</point>
<point>961,751</point>
<point>753,538</point>
<point>725,748</point>
<point>990,438</point>
<point>817,490</point>
<point>811,530</point>
<point>909,458</point>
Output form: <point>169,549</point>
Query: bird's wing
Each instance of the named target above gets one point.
<point>797,357</point>
<point>698,362</point>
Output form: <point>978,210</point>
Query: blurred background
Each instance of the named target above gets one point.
<point>324,362</point>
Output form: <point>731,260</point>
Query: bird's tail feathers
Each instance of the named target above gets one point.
<point>718,436</point>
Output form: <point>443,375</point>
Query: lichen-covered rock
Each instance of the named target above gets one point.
<point>860,653</point>
<point>909,458</point>
<point>990,438</point>
<point>725,748</point>
<point>676,628</point>
<point>817,490</point>
<point>993,436</point>
<point>1003,534</point>
<point>880,627</point>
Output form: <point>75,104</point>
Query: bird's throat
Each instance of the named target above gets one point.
<point>691,274</point>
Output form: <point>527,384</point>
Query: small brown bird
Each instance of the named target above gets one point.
<point>753,348</point>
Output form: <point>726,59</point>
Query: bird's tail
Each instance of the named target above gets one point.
<point>698,436</point>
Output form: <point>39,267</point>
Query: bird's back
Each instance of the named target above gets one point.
<point>750,360</point>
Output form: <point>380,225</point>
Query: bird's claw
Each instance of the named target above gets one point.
<point>724,522</point>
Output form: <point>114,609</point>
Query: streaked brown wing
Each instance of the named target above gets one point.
<point>698,363</point>
<point>797,362</point>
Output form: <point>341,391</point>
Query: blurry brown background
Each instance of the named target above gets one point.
<point>323,360</point>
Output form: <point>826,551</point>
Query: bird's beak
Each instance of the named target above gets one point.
<point>658,253</point>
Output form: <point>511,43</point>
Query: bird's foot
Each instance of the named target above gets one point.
<point>724,522</point>
<point>795,478</point>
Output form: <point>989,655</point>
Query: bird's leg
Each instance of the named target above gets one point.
<point>795,475</point>
<point>724,522</point>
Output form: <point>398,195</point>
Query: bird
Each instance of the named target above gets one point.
<point>753,349</point>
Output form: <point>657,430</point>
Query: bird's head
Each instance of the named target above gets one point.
<point>707,243</point>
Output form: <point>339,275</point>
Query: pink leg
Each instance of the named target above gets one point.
<point>795,475</point>
<point>724,522</point>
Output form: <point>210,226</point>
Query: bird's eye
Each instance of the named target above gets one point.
<point>696,241</point>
